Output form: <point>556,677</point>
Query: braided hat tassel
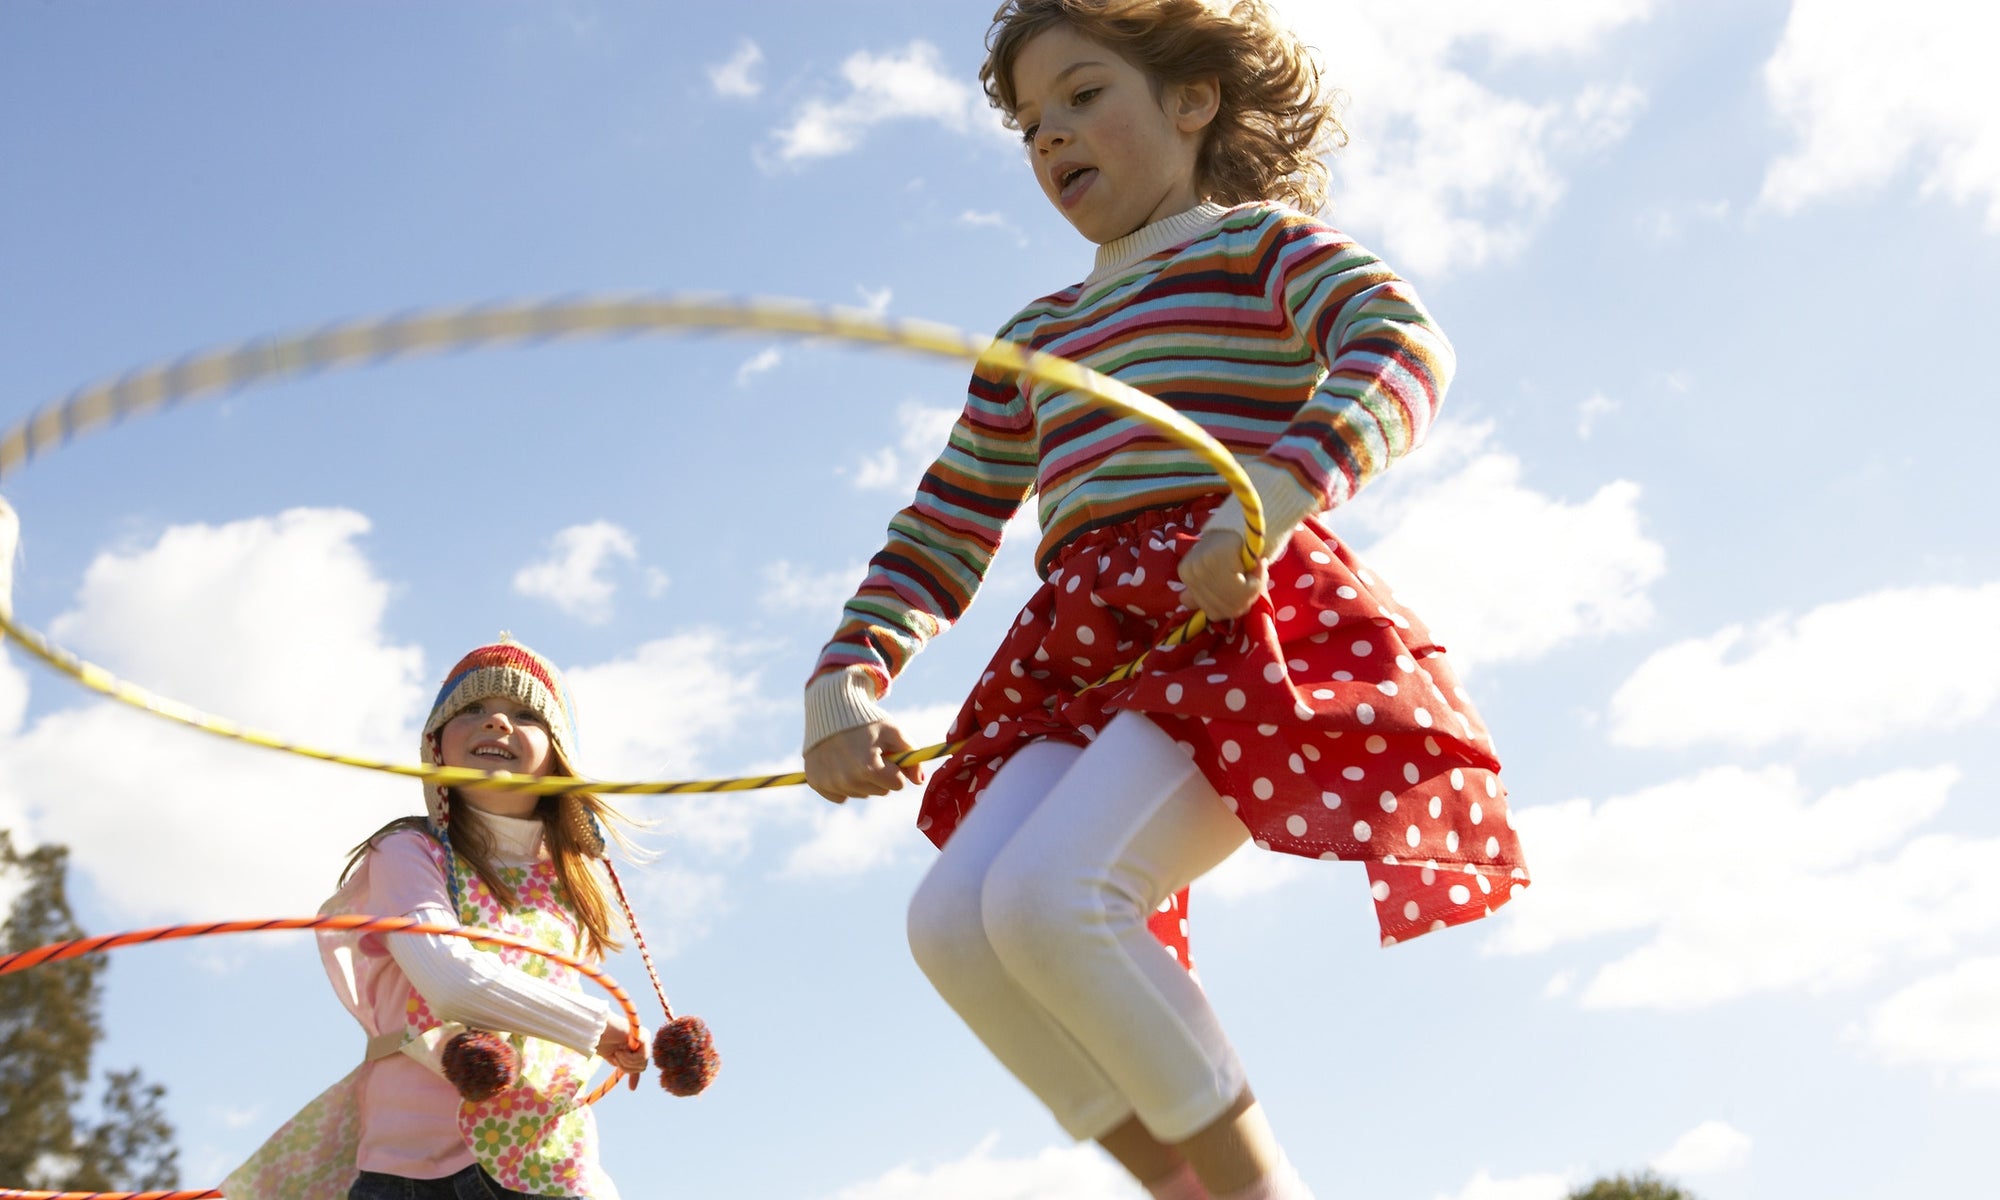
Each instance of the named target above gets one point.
<point>683,1049</point>
<point>440,817</point>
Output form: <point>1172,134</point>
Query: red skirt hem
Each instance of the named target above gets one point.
<point>1326,717</point>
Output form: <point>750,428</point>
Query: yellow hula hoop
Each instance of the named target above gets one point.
<point>357,343</point>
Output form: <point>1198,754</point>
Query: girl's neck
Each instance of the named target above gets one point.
<point>1148,240</point>
<point>515,839</point>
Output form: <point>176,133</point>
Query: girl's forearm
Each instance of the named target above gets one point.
<point>473,988</point>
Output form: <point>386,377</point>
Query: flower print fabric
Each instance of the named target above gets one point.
<point>535,1137</point>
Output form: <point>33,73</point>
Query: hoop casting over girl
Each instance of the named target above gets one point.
<point>428,1114</point>
<point>1316,716</point>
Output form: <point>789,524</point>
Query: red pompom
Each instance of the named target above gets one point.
<point>480,1065</point>
<point>684,1051</point>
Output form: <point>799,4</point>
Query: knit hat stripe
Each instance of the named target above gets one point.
<point>507,655</point>
<point>511,670</point>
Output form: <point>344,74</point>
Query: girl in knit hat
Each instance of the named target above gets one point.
<point>511,861</point>
<point>1316,716</point>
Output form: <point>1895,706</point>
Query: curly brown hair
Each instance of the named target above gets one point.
<point>1274,121</point>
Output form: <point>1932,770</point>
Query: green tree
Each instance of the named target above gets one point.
<point>48,1032</point>
<point>1643,1186</point>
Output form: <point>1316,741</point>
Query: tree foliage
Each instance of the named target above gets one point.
<point>1643,1186</point>
<point>49,1030</point>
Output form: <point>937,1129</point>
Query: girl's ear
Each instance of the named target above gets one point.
<point>1195,103</point>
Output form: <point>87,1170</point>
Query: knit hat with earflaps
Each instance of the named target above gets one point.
<point>507,669</point>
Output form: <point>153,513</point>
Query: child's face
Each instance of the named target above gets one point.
<point>1110,154</point>
<point>497,735</point>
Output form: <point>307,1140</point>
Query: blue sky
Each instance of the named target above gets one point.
<point>1702,519</point>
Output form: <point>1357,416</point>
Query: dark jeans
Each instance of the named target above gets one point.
<point>469,1184</point>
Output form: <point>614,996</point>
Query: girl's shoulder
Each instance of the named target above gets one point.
<point>1262,232</point>
<point>1257,220</point>
<point>408,842</point>
<point>1023,325</point>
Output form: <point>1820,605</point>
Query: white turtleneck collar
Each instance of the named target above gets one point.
<point>1148,240</point>
<point>514,839</point>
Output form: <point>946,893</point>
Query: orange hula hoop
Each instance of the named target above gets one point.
<point>354,922</point>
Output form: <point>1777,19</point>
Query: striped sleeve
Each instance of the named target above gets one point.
<point>1387,364</point>
<point>941,545</point>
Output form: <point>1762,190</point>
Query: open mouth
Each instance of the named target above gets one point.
<point>1071,182</point>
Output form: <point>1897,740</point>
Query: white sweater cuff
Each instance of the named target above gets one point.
<point>839,701</point>
<point>1287,503</point>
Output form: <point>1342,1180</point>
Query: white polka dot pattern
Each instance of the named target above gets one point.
<point>1329,688</point>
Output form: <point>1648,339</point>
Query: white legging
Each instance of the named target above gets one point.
<point>1032,926</point>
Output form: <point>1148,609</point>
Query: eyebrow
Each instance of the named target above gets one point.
<point>1073,68</point>
<point>1070,70</point>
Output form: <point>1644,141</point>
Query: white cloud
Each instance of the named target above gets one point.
<point>695,900</point>
<point>1080,1172</point>
<point>870,833</point>
<point>13,694</point>
<point>1252,872</point>
<point>1868,90</point>
<point>721,827</point>
<point>10,543</point>
<point>1707,1148</point>
<point>655,712</point>
<point>1528,28</point>
<point>274,621</point>
<point>922,430</point>
<point>1795,680</point>
<point>1542,571</point>
<point>1444,170</point>
<point>875,300</point>
<point>292,589</point>
<point>757,364</point>
<point>571,577</point>
<point>1595,405</point>
<point>792,588</point>
<point>1664,223</point>
<point>858,836</point>
<point>732,77</point>
<point>974,219</point>
<point>1545,1186</point>
<point>1949,1021</point>
<point>1736,882</point>
<point>906,84</point>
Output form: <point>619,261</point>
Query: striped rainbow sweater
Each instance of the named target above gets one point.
<point>1275,333</point>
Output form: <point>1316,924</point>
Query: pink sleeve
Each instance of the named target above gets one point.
<point>403,877</point>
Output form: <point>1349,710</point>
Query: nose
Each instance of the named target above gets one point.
<point>497,720</point>
<point>1050,136</point>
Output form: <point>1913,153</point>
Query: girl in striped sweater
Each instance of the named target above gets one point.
<point>1316,717</point>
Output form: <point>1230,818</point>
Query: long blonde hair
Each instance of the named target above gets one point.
<point>1274,120</point>
<point>572,845</point>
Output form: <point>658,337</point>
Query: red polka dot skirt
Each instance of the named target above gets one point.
<point>1326,717</point>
